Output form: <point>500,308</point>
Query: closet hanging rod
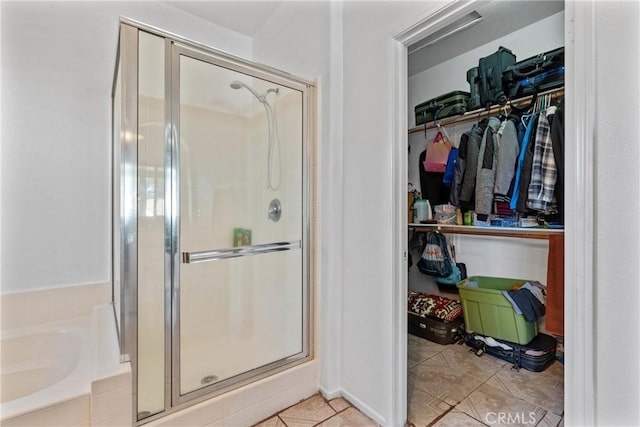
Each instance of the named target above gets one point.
<point>475,114</point>
<point>519,232</point>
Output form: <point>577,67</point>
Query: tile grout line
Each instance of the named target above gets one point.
<point>319,422</point>
<point>452,407</point>
<point>473,391</point>
<point>441,416</point>
<point>428,358</point>
<point>518,397</point>
<point>510,394</point>
<point>277,414</point>
<point>335,412</point>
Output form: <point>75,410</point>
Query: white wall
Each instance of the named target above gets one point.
<point>451,75</point>
<point>617,237</point>
<point>58,60</point>
<point>368,199</point>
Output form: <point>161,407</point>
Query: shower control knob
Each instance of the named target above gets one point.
<point>275,210</point>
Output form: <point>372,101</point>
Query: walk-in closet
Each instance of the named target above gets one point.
<point>486,177</point>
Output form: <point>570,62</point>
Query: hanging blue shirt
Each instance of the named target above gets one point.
<point>516,187</point>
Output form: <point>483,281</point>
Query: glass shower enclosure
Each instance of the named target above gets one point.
<point>211,219</point>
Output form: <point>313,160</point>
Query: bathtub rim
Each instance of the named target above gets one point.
<point>74,385</point>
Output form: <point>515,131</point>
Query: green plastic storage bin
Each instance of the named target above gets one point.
<point>488,312</point>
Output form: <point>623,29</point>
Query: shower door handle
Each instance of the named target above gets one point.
<point>240,251</point>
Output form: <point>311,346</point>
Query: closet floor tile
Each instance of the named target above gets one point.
<point>445,383</point>
<point>545,389</point>
<point>457,419</point>
<point>423,408</point>
<point>550,420</point>
<point>492,406</point>
<point>476,387</point>
<point>466,363</point>
<point>419,350</point>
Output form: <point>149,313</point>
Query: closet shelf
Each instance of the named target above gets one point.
<point>477,114</point>
<point>523,233</point>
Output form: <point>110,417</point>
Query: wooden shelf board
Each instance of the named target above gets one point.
<point>523,233</point>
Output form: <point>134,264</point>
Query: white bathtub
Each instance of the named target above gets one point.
<point>45,364</point>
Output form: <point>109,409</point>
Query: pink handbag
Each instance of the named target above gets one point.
<point>437,154</point>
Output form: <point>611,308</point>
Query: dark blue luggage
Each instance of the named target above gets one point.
<point>536,74</point>
<point>535,356</point>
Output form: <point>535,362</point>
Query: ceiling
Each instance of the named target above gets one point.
<point>499,19</point>
<point>242,16</point>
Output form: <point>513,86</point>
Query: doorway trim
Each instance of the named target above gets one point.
<point>580,343</point>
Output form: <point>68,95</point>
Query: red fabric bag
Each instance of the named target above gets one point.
<point>437,154</point>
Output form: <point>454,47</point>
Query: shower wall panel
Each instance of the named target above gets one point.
<point>212,202</point>
<point>289,126</point>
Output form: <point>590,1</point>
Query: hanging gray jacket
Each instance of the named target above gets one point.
<point>458,174</point>
<point>507,155</point>
<point>468,187</point>
<point>486,174</point>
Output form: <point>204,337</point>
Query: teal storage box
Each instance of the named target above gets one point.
<point>488,312</point>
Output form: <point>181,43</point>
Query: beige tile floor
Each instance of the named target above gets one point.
<point>450,387</point>
<point>317,411</point>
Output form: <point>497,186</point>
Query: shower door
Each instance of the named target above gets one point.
<point>238,229</point>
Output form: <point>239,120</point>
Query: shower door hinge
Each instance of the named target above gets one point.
<point>404,255</point>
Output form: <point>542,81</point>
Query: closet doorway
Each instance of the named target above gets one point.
<point>442,405</point>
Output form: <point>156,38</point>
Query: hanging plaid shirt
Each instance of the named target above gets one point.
<point>544,172</point>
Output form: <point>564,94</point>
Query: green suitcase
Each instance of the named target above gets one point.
<point>447,105</point>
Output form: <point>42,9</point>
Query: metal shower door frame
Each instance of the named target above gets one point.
<point>127,63</point>
<point>178,50</point>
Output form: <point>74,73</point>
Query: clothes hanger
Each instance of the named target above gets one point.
<point>525,117</point>
<point>424,120</point>
<point>531,107</point>
<point>444,131</point>
<point>530,111</point>
<point>503,113</point>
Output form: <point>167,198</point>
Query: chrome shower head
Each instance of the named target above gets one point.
<point>237,84</point>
